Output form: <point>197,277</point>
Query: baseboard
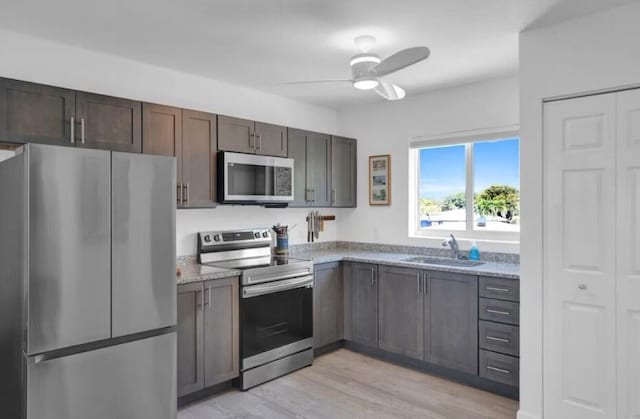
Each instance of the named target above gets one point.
<point>526,415</point>
<point>203,394</point>
<point>328,348</point>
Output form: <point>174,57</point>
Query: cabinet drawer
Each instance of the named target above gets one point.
<point>499,311</point>
<point>501,338</point>
<point>500,288</point>
<point>504,369</point>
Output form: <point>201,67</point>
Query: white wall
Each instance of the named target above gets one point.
<point>32,59</point>
<point>387,128</point>
<point>595,52</point>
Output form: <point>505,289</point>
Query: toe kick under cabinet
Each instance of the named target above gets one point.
<point>208,334</point>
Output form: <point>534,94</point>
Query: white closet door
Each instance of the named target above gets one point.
<point>579,241</point>
<point>629,254</point>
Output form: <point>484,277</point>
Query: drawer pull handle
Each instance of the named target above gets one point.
<point>498,339</point>
<point>498,289</point>
<point>500,312</point>
<point>496,369</point>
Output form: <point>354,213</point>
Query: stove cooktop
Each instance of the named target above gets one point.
<point>256,262</point>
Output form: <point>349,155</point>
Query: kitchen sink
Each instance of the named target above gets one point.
<point>443,261</point>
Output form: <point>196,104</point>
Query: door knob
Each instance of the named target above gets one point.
<point>582,287</point>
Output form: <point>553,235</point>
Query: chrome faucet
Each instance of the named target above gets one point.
<point>453,244</point>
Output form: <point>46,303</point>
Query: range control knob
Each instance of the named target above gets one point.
<point>207,239</point>
<point>256,235</point>
<point>265,234</point>
<point>216,237</point>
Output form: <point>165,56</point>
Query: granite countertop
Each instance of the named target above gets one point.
<point>489,268</point>
<point>191,271</point>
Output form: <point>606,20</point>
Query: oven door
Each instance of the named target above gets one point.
<point>277,320</point>
<point>249,178</point>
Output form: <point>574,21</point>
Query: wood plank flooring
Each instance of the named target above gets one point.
<point>345,384</point>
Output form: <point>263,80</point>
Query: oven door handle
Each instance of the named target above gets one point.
<point>277,286</point>
<point>261,279</point>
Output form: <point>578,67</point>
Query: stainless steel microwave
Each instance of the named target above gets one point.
<point>253,179</point>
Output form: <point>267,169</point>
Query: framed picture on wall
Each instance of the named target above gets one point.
<point>380,180</point>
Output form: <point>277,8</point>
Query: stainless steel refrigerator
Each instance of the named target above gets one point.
<point>87,285</point>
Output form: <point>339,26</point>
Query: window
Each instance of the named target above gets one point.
<point>471,186</point>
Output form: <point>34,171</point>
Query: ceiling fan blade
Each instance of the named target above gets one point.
<point>400,60</point>
<point>315,81</point>
<point>390,91</point>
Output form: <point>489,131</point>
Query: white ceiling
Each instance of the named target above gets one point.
<point>261,43</point>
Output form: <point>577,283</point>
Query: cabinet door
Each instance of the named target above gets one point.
<point>319,169</point>
<point>235,134</point>
<point>271,140</point>
<point>401,311</point>
<point>343,172</point>
<point>451,321</point>
<point>199,147</point>
<point>364,304</point>
<point>221,331</point>
<point>108,123</point>
<point>190,339</point>
<point>327,304</point>
<point>297,149</point>
<point>32,113</point>
<point>580,257</point>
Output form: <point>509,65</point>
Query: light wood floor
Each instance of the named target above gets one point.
<point>344,384</point>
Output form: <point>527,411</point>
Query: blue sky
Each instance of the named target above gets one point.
<point>442,169</point>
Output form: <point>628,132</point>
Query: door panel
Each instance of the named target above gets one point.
<point>628,262</point>
<point>319,169</point>
<point>190,339</point>
<point>297,149</point>
<point>328,304</point>
<point>364,304</point>
<point>235,134</point>
<point>343,172</point>
<point>579,213</point>
<point>143,243</point>
<point>451,321</point>
<point>32,113</point>
<point>135,380</point>
<point>69,283</point>
<point>221,331</point>
<point>271,140</point>
<point>162,131</point>
<point>400,311</point>
<point>199,146</point>
<point>109,123</point>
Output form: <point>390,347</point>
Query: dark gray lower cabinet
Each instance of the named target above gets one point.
<point>364,304</point>
<point>451,321</point>
<point>328,307</point>
<point>208,334</point>
<point>400,311</point>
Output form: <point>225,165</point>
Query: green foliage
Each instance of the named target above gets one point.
<point>454,201</point>
<point>498,200</point>
<point>429,206</point>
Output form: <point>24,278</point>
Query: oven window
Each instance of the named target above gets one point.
<point>255,180</point>
<point>274,320</point>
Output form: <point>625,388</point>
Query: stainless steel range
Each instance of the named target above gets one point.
<point>276,302</point>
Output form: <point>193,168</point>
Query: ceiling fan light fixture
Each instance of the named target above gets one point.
<point>365,58</point>
<point>366,84</point>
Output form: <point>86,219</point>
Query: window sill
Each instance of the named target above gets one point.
<point>490,242</point>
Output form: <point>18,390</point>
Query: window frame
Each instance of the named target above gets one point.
<point>466,138</point>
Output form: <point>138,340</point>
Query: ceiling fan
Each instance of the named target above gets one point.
<point>367,68</point>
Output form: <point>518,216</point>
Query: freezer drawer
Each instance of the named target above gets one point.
<point>69,248</point>
<point>135,380</point>
<point>143,241</point>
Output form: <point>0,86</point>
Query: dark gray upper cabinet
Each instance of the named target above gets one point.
<point>271,140</point>
<point>245,136</point>
<point>343,172</point>
<point>221,331</point>
<point>208,334</point>
<point>451,321</point>
<point>35,113</point>
<point>162,131</point>
<point>190,339</point>
<point>311,152</point>
<point>364,304</point>
<point>198,159</point>
<point>328,325</point>
<point>108,123</point>
<point>400,311</point>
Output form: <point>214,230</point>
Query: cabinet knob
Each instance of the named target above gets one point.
<point>583,287</point>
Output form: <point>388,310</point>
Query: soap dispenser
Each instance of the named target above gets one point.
<point>474,253</point>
